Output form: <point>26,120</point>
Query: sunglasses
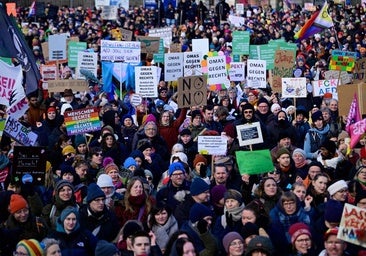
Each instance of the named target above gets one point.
<point>98,154</point>
<point>274,172</point>
<point>248,112</point>
<point>148,178</point>
<point>68,155</point>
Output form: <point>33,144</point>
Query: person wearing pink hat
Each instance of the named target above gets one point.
<point>301,239</point>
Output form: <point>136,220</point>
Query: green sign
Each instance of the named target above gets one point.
<point>254,162</point>
<point>263,52</point>
<point>6,60</point>
<point>158,57</point>
<point>74,48</point>
<point>241,40</point>
<point>254,52</point>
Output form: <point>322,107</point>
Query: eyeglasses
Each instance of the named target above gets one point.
<point>68,155</point>
<point>240,243</point>
<point>19,254</point>
<point>274,172</point>
<point>248,111</point>
<point>178,174</point>
<point>305,240</point>
<point>288,203</point>
<point>98,154</point>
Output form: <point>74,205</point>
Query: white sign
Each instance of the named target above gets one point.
<point>236,20</point>
<point>146,81</point>
<point>352,226</point>
<point>217,72</point>
<point>256,73</point>
<point>294,87</point>
<point>19,132</point>
<point>18,102</point>
<point>249,134</point>
<point>57,47</point>
<point>10,78</point>
<point>192,64</point>
<point>124,51</point>
<point>164,33</point>
<point>173,66</point>
<point>109,12</point>
<point>237,71</point>
<point>87,61</point>
<point>321,87</point>
<point>334,74</point>
<point>239,8</point>
<point>135,99</point>
<point>212,145</point>
<point>100,3</point>
<point>48,72</point>
<point>200,45</point>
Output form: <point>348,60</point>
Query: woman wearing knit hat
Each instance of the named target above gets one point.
<point>301,163</point>
<point>338,191</point>
<point>81,145</point>
<point>233,244</point>
<point>114,149</point>
<point>29,247</point>
<point>51,247</point>
<point>112,169</point>
<point>301,239</point>
<point>200,168</point>
<point>286,167</point>
<point>128,130</point>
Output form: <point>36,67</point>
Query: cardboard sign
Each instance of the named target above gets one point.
<point>165,33</point>
<point>146,78</point>
<point>176,47</point>
<point>30,160</point>
<point>81,121</point>
<point>173,66</point>
<point>359,72</point>
<point>342,75</point>
<point>192,91</point>
<point>19,132</point>
<point>212,145</point>
<point>200,45</point>
<point>57,47</point>
<point>72,54</point>
<point>237,71</point>
<point>352,227</point>
<point>294,87</point>
<point>342,60</point>
<point>321,87</point>
<point>126,34</point>
<point>87,61</point>
<point>254,162</point>
<point>216,67</point>
<point>256,73</point>
<point>345,97</point>
<point>149,44</point>
<point>192,63</point>
<point>241,40</point>
<point>61,85</point>
<point>283,67</point>
<point>124,51</point>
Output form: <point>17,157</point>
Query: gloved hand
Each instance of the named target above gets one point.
<point>229,220</point>
<point>203,171</point>
<point>202,226</point>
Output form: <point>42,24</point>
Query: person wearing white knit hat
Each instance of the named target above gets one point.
<point>338,190</point>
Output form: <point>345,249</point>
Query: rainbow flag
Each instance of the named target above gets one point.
<point>319,21</point>
<point>32,9</point>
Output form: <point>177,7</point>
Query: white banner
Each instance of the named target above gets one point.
<point>87,61</point>
<point>10,78</point>
<point>192,63</point>
<point>146,81</point>
<point>212,145</point>
<point>124,51</point>
<point>164,33</point>
<point>217,72</point>
<point>57,47</point>
<point>294,87</point>
<point>256,77</point>
<point>237,71</point>
<point>173,66</point>
<point>321,87</point>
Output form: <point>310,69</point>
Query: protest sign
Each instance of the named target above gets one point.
<point>164,33</point>
<point>237,21</point>
<point>135,99</point>
<point>31,160</point>
<point>19,106</point>
<point>11,77</point>
<point>159,57</point>
<point>352,228</point>
<point>192,63</point>
<point>45,51</point>
<point>109,12</point>
<point>212,145</point>
<point>20,133</point>
<point>342,75</point>
<point>283,67</point>
<point>321,87</point>
<point>294,87</point>
<point>263,52</point>
<point>192,91</point>
<point>173,66</point>
<point>146,78</point>
<point>61,85</point>
<point>200,45</point>
<point>126,34</point>
<point>254,162</point>
<point>345,97</point>
<point>241,41</point>
<point>239,8</point>
<point>11,9</point>
<point>216,67</point>
<point>237,71</point>
<point>360,69</point>
<point>256,73</point>
<point>249,134</point>
<point>87,61</point>
<point>176,47</point>
<point>57,46</point>
<point>124,51</point>
<point>72,53</point>
<point>81,121</point>
<point>149,44</point>
<point>342,60</point>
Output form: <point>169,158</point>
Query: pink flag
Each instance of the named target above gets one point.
<point>356,132</point>
<point>354,113</point>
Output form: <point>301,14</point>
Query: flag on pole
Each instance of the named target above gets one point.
<point>13,45</point>
<point>354,114</point>
<point>317,23</point>
<point>32,9</point>
<point>356,132</point>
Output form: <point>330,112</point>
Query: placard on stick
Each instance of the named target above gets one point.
<point>254,162</point>
<point>249,134</point>
<point>212,145</point>
<point>192,91</point>
<point>30,160</point>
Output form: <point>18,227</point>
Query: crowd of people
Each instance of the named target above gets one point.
<point>139,186</point>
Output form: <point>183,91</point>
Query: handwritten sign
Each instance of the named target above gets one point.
<point>294,87</point>
<point>124,51</point>
<point>173,66</point>
<point>30,160</point>
<point>146,78</point>
<point>19,132</point>
<point>212,145</point>
<point>11,77</point>
<point>126,34</point>
<point>82,120</point>
<point>342,60</point>
<point>283,67</point>
<point>109,12</point>
<point>321,87</point>
<point>360,69</point>
<point>249,134</point>
<point>333,74</point>
<point>256,77</point>
<point>352,228</point>
<point>192,91</point>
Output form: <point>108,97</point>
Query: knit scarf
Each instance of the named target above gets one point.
<point>301,164</point>
<point>285,169</point>
<point>137,200</point>
<point>362,183</point>
<point>235,213</point>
